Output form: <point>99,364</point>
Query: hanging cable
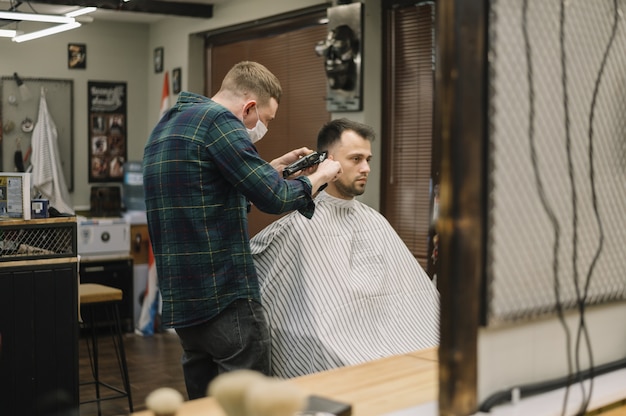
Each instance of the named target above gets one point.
<point>594,199</point>
<point>574,200</point>
<point>542,194</point>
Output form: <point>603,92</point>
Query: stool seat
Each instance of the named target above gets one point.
<point>96,293</point>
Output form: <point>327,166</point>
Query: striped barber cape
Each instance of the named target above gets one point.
<point>340,289</point>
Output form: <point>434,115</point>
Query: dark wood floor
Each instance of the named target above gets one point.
<point>153,362</point>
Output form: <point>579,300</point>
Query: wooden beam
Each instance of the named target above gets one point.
<point>461,125</point>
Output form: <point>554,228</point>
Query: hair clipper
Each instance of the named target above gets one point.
<point>304,162</point>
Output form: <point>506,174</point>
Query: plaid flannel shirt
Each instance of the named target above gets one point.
<point>200,169</point>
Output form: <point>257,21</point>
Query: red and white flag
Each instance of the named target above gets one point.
<point>165,96</point>
<point>151,305</point>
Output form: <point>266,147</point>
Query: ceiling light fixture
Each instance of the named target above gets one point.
<point>5,33</point>
<point>34,17</point>
<point>82,11</point>
<point>63,23</point>
<point>45,32</point>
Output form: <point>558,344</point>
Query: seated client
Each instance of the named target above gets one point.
<point>342,288</point>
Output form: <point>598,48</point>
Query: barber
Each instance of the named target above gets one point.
<point>200,169</point>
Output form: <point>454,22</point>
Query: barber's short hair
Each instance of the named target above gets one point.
<point>331,132</point>
<point>249,77</point>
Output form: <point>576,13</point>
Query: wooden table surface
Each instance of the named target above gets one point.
<point>373,388</point>
<point>619,411</point>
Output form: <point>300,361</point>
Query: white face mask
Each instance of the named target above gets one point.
<point>259,129</point>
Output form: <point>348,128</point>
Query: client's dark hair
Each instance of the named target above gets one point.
<point>331,132</point>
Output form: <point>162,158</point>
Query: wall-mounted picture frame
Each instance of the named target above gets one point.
<point>342,51</point>
<point>108,129</point>
<point>76,56</point>
<point>158,60</point>
<point>177,80</point>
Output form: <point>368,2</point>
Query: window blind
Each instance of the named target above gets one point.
<point>408,124</point>
<point>290,55</point>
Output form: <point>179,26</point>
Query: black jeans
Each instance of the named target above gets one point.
<point>238,338</point>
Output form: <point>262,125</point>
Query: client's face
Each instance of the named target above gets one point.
<point>354,153</point>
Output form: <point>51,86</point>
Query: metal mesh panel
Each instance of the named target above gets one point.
<point>21,242</point>
<point>557,146</point>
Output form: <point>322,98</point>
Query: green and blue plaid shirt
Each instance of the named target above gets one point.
<point>200,169</point>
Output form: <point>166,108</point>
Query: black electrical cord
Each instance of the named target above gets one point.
<point>30,6</point>
<point>527,390</point>
<point>594,199</point>
<point>543,387</point>
<point>542,194</point>
<point>582,329</point>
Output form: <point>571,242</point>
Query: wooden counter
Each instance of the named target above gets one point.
<point>616,411</point>
<point>373,388</point>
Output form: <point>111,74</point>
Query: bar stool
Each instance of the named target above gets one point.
<point>92,296</point>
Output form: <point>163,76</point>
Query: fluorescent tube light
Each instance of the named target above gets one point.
<point>32,17</point>
<point>64,23</point>
<point>4,33</point>
<point>46,32</point>
<point>80,12</point>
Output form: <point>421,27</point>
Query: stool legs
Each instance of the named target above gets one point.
<point>120,352</point>
<point>92,350</point>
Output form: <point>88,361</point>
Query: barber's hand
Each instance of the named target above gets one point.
<point>327,171</point>
<point>287,159</point>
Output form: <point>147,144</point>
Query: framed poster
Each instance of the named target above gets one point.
<point>176,80</point>
<point>158,60</point>
<point>107,131</point>
<point>77,56</point>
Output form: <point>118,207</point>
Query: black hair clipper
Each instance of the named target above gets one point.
<point>304,162</point>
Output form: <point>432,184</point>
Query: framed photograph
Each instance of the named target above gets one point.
<point>158,60</point>
<point>77,56</point>
<point>176,80</point>
<point>107,131</point>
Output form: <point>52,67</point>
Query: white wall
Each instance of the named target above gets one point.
<point>536,351</point>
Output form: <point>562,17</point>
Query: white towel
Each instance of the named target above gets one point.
<point>341,288</point>
<point>48,176</point>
